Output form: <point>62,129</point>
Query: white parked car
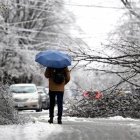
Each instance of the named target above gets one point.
<point>26,97</point>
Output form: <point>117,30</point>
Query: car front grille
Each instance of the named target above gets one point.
<point>20,100</point>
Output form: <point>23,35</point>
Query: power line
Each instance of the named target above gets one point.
<point>96,6</point>
<point>70,4</point>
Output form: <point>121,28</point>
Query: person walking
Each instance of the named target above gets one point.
<point>57,78</point>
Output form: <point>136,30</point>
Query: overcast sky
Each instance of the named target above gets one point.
<point>96,18</point>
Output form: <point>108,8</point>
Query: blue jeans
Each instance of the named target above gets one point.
<point>59,96</point>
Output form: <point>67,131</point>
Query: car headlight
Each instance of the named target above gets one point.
<point>34,98</point>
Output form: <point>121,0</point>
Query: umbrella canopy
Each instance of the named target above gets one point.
<point>53,59</point>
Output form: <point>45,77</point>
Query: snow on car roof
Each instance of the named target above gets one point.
<point>25,84</point>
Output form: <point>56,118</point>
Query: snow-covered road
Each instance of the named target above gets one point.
<point>98,130</point>
<point>116,128</point>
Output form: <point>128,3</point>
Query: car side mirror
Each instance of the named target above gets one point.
<point>40,92</point>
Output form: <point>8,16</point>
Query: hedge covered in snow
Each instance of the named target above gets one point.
<point>125,105</point>
<point>8,114</point>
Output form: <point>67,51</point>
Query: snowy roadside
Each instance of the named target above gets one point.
<point>34,131</point>
<point>40,129</point>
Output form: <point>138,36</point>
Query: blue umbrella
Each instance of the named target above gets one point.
<point>53,59</point>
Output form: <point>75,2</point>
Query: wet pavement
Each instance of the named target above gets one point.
<point>98,130</point>
<point>72,129</point>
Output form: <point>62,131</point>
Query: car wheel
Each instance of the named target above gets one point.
<point>39,110</point>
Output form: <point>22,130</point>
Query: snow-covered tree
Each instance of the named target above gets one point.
<point>28,27</point>
<point>121,56</point>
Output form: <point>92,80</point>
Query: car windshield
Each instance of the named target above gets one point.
<point>22,89</point>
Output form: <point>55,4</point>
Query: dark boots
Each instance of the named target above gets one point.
<point>59,120</point>
<point>50,120</point>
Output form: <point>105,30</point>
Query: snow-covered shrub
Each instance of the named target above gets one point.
<point>125,105</point>
<point>8,114</point>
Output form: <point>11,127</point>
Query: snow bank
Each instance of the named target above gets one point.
<point>115,118</point>
<point>34,131</point>
<point>121,118</point>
